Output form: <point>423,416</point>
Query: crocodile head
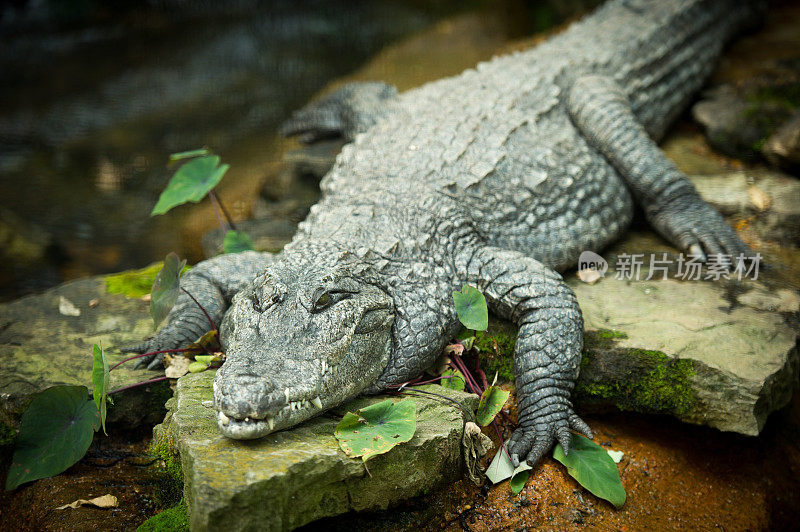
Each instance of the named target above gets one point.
<point>299,340</point>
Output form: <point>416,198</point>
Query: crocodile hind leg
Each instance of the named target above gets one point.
<point>548,350</point>
<point>346,112</point>
<point>602,113</point>
<point>213,283</point>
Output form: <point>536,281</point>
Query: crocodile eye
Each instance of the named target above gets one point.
<point>323,299</point>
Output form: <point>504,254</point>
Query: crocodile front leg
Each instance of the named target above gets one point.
<point>213,283</point>
<point>548,351</point>
<point>601,111</point>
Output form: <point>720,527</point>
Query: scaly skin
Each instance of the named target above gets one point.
<point>496,177</point>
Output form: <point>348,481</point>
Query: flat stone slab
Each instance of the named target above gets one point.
<point>40,347</point>
<point>721,354</point>
<point>293,477</point>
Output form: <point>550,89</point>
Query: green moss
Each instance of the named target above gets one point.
<point>786,95</point>
<point>134,283</point>
<point>496,348</point>
<point>173,520</point>
<point>609,333</point>
<point>662,384</point>
<point>168,473</point>
<point>7,435</point>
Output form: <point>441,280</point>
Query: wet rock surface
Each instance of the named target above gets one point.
<point>292,477</point>
<point>43,343</point>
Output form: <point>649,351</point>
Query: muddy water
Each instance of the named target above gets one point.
<point>94,99</point>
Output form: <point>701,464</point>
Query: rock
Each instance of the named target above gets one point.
<point>41,347</point>
<point>721,354</point>
<point>783,147</point>
<point>293,477</point>
<point>738,120</point>
<point>768,202</point>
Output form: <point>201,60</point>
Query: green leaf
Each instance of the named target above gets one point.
<point>100,383</point>
<point>236,242</point>
<point>166,288</point>
<point>191,182</point>
<point>197,367</point>
<point>492,401</point>
<point>376,428</point>
<point>456,382</point>
<point>209,360</point>
<point>501,469</point>
<point>593,468</point>
<point>56,430</point>
<point>208,343</point>
<point>471,308</point>
<point>520,477</point>
<point>180,156</point>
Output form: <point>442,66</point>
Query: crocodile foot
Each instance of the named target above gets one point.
<point>695,227</point>
<point>536,435</point>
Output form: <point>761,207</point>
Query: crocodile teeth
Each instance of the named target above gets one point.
<point>223,418</point>
<point>247,420</point>
<point>286,393</point>
<point>317,402</point>
<point>324,366</point>
<point>271,423</point>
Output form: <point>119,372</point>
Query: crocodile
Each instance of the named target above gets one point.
<point>498,178</point>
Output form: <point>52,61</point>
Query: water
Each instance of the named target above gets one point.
<point>94,99</point>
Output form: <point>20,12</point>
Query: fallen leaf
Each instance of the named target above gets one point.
<point>178,367</point>
<point>758,198</point>
<point>454,349</point>
<point>615,455</point>
<point>106,501</point>
<point>475,445</point>
<point>589,275</point>
<point>94,302</point>
<point>146,298</point>
<point>67,307</point>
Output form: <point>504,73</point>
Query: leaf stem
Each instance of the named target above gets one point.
<point>147,354</point>
<point>220,207</point>
<point>218,212</point>
<point>137,384</point>
<point>213,325</point>
<point>460,366</point>
<point>414,382</point>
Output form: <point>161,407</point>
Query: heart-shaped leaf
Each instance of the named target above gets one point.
<point>55,432</point>
<point>492,401</point>
<point>593,468</point>
<point>100,383</point>
<point>166,288</point>
<point>377,428</point>
<point>191,182</point>
<point>236,242</point>
<point>471,308</point>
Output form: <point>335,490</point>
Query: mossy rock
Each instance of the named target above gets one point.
<point>175,519</point>
<point>293,477</point>
<point>710,353</point>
